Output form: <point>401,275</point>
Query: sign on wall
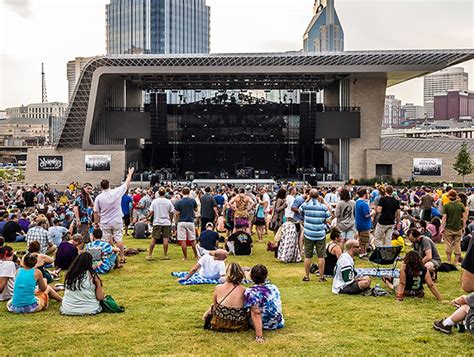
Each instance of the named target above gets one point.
<point>427,167</point>
<point>50,163</point>
<point>98,162</point>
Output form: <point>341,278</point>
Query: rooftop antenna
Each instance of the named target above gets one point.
<point>44,96</point>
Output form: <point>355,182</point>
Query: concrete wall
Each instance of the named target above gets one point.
<point>369,95</point>
<point>74,168</point>
<point>402,165</point>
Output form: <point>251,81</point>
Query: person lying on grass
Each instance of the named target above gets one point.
<point>413,274</point>
<point>264,301</point>
<point>228,312</point>
<point>209,266</point>
<point>83,288</point>
<point>26,297</point>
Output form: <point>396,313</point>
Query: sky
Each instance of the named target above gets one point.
<point>55,31</point>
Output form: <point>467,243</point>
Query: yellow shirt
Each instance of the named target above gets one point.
<point>444,199</point>
<point>399,242</point>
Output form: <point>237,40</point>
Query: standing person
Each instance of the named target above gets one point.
<point>278,210</point>
<point>185,211</point>
<point>452,226</point>
<point>290,198</point>
<point>331,198</point>
<point>82,204</point>
<point>220,200</point>
<point>266,198</point>
<point>427,202</point>
<point>389,209</point>
<point>240,203</point>
<point>345,210</point>
<point>297,216</point>
<point>29,197</point>
<point>209,211</point>
<point>162,211</point>
<point>108,212</point>
<point>127,204</point>
<point>363,221</point>
<point>260,217</point>
<point>316,215</point>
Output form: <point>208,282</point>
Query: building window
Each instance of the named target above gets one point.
<point>383,170</point>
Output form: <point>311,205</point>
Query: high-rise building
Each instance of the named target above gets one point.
<point>324,33</point>
<point>411,111</point>
<point>74,69</point>
<point>157,26</point>
<point>392,113</point>
<point>454,104</point>
<point>440,82</point>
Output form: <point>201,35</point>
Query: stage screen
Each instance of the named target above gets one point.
<point>337,125</point>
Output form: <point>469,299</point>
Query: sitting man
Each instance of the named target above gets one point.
<point>57,232</point>
<point>67,252</point>
<point>209,266</point>
<point>426,248</point>
<point>345,280</point>
<point>240,242</point>
<point>104,256</point>
<point>140,229</point>
<point>39,233</point>
<point>209,239</point>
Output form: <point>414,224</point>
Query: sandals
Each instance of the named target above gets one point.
<point>322,279</point>
<point>123,261</point>
<point>306,278</point>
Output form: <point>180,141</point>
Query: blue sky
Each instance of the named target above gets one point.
<point>55,31</point>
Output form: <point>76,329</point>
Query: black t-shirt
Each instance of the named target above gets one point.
<point>242,243</point>
<point>208,239</point>
<point>389,208</point>
<point>29,198</point>
<point>468,262</point>
<point>207,206</point>
<point>10,230</point>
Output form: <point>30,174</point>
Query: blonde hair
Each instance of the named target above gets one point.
<point>234,274</point>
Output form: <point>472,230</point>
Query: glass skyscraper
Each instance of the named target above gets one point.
<point>157,26</point>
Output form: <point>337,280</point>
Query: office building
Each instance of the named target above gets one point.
<point>411,111</point>
<point>457,105</point>
<point>74,69</point>
<point>392,112</point>
<point>157,26</point>
<point>324,33</point>
<point>37,110</point>
<point>440,82</point>
<point>24,130</point>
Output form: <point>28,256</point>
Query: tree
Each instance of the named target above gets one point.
<point>463,164</point>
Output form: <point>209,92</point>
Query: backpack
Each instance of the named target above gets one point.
<point>109,305</point>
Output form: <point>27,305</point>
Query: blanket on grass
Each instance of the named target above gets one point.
<point>198,279</point>
<point>378,273</point>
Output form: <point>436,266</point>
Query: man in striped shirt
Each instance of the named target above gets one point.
<point>316,215</point>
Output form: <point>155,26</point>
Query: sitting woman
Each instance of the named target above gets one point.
<point>333,251</point>
<point>26,298</point>
<point>264,301</point>
<point>43,260</point>
<point>228,312</point>
<point>413,275</point>
<point>83,288</point>
<point>67,252</point>
<point>7,273</point>
<point>434,228</point>
<point>288,250</point>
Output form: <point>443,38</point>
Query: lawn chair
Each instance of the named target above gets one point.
<point>385,256</point>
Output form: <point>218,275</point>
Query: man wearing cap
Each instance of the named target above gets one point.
<point>209,239</point>
<point>162,211</point>
<point>452,226</point>
<point>209,266</point>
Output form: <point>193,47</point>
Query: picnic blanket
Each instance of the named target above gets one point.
<point>378,273</point>
<point>198,279</point>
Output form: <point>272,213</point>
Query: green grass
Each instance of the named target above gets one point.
<point>163,317</point>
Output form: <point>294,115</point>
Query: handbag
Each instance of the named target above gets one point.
<point>109,305</point>
<point>208,318</point>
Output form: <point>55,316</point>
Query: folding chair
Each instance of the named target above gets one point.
<point>385,256</point>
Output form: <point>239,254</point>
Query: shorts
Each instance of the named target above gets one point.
<point>186,231</point>
<point>436,263</point>
<point>126,220</point>
<point>112,233</point>
<point>161,232</point>
<point>309,246</point>
<point>347,235</point>
<point>41,303</point>
<point>351,289</point>
<point>259,221</point>
<point>452,239</point>
<point>364,237</point>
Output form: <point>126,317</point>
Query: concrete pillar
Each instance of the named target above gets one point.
<point>331,95</point>
<point>369,95</point>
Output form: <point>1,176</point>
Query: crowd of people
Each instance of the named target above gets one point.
<point>80,231</point>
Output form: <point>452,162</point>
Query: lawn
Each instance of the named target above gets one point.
<point>163,317</point>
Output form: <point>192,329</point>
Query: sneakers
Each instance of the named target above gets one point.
<point>165,257</point>
<point>438,325</point>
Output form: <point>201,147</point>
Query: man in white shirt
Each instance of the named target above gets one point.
<point>108,212</point>
<point>345,281</point>
<point>210,266</point>
<point>162,211</point>
<point>331,198</point>
<point>290,198</point>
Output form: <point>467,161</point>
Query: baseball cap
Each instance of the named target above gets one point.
<point>209,224</point>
